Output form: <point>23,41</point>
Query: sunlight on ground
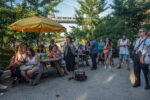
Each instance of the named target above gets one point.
<point>110,78</point>
<point>132,77</point>
<point>82,97</point>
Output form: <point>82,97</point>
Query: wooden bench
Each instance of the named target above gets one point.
<point>44,69</point>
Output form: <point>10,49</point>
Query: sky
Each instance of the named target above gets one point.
<point>67,8</point>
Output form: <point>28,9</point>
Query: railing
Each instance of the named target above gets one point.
<point>65,19</point>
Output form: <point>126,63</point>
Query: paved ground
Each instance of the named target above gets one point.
<point>101,85</point>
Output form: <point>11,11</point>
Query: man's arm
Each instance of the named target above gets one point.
<point>128,44</point>
<point>119,43</point>
<point>92,44</point>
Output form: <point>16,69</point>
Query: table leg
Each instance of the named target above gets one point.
<point>37,78</point>
<point>59,69</point>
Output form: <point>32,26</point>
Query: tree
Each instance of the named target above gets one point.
<point>88,15</point>
<point>133,12</point>
<point>50,8</point>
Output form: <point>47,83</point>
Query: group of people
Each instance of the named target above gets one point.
<point>140,54</point>
<point>98,50</point>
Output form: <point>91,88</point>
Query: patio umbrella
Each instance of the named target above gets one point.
<point>37,24</point>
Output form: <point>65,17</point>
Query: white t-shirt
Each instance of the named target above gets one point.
<point>124,50</point>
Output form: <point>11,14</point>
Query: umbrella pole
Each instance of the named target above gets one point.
<point>40,39</point>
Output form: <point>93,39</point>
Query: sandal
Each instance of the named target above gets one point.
<point>70,78</point>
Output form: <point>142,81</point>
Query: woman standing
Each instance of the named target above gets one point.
<point>100,49</point>
<point>108,53</point>
<point>32,60</point>
<point>69,55</point>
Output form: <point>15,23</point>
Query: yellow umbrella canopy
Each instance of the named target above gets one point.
<point>37,24</point>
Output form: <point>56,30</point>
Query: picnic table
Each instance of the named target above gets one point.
<point>46,61</point>
<point>43,68</point>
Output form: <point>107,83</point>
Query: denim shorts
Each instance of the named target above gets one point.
<point>100,51</point>
<point>109,53</point>
<point>124,56</point>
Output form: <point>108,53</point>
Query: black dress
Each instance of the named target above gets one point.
<point>70,60</point>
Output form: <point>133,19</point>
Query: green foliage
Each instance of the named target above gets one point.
<point>132,11</point>
<point>127,17</point>
<point>11,13</point>
<point>88,15</point>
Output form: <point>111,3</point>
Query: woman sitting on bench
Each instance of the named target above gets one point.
<point>33,61</point>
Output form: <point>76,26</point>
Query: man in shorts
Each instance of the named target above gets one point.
<point>124,45</point>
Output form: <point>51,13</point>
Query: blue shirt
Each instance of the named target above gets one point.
<point>100,46</point>
<point>94,47</point>
<point>145,46</point>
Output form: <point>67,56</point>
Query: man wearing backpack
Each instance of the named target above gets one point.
<point>142,45</point>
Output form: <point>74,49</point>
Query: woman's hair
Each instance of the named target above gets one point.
<point>69,38</point>
<point>32,51</point>
<point>20,49</point>
<point>109,41</point>
<point>100,39</point>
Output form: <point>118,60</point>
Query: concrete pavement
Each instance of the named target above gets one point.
<point>101,85</point>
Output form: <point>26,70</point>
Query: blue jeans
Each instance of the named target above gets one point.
<point>18,72</point>
<point>1,72</point>
<point>94,56</point>
<point>124,57</point>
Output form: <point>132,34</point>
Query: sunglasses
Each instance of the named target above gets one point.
<point>141,31</point>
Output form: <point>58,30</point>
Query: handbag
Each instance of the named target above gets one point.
<point>106,51</point>
<point>24,67</point>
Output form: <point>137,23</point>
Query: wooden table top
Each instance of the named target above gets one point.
<point>49,60</point>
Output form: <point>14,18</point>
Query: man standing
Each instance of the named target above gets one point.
<point>124,44</point>
<point>142,45</point>
<point>94,51</point>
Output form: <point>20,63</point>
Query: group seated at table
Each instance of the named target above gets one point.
<point>32,65</point>
<point>41,49</point>
<point>23,64</point>
<point>54,52</point>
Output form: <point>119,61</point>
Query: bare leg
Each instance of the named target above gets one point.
<point>30,72</point>
<point>109,60</point>
<point>23,73</point>
<point>105,60</point>
<point>127,64</point>
<point>72,74</point>
<point>119,66</point>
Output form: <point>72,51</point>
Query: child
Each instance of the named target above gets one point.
<point>53,53</point>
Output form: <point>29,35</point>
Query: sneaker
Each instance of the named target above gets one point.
<point>105,67</point>
<point>3,87</point>
<point>1,94</point>
<point>110,67</point>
